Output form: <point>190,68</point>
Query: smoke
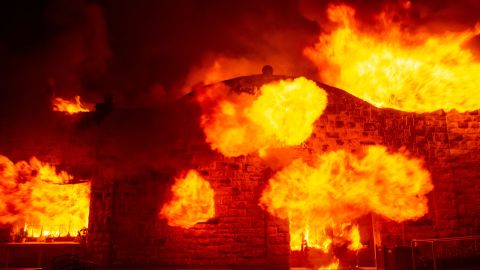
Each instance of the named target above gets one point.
<point>178,44</point>
<point>50,48</point>
<point>437,16</point>
<point>147,53</point>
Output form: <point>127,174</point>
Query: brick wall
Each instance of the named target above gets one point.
<point>240,234</point>
<point>134,155</point>
<point>125,229</point>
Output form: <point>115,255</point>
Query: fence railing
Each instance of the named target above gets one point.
<point>436,250</point>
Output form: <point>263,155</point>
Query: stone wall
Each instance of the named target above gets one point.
<point>125,227</point>
<point>134,155</point>
<point>241,234</point>
<point>447,142</point>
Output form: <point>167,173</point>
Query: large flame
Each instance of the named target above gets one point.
<point>389,66</point>
<point>282,114</point>
<point>37,198</point>
<point>322,200</point>
<point>192,201</point>
<point>69,106</point>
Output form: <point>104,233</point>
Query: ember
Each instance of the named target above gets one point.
<point>40,201</point>
<point>192,201</point>
<point>395,68</point>
<point>68,106</point>
<point>281,115</point>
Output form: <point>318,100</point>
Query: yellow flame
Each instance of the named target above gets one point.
<point>192,202</point>
<point>281,115</point>
<point>388,66</point>
<point>340,187</point>
<point>68,106</point>
<point>35,195</point>
<point>354,237</point>
<point>332,266</point>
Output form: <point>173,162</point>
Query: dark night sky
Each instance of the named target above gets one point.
<point>144,50</point>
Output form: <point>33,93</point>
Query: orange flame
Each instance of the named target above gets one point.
<point>332,266</point>
<point>282,114</point>
<point>389,66</point>
<point>39,199</point>
<point>354,237</point>
<point>340,187</point>
<point>69,107</point>
<point>192,201</point>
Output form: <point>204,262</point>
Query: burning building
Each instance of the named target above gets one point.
<point>363,177</point>
<point>262,171</point>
